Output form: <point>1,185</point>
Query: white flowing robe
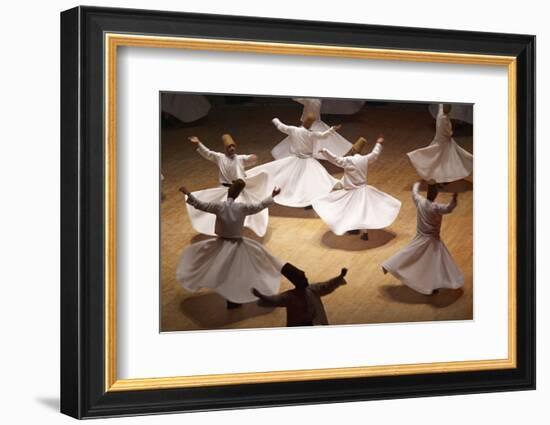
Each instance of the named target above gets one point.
<point>300,176</point>
<point>230,264</point>
<point>354,204</point>
<point>426,264</point>
<point>442,160</point>
<point>230,169</point>
<point>336,143</point>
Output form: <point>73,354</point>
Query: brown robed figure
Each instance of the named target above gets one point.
<point>303,304</point>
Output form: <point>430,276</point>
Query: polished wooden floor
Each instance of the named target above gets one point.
<point>299,236</point>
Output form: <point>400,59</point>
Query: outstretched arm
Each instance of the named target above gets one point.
<point>447,208</point>
<point>322,134</point>
<point>204,151</point>
<point>283,128</point>
<point>376,151</point>
<point>415,192</point>
<point>279,300</point>
<point>209,207</point>
<point>249,160</point>
<point>250,209</point>
<point>329,286</point>
<point>339,161</point>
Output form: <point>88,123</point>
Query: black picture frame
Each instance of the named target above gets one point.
<point>83,392</point>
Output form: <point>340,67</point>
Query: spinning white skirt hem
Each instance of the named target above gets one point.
<point>363,208</point>
<point>302,180</point>
<point>231,267</point>
<point>425,265</point>
<point>442,161</point>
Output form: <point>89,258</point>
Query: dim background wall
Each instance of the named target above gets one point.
<point>29,224</point>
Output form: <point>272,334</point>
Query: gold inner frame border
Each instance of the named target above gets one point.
<point>112,41</point>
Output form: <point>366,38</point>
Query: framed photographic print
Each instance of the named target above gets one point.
<point>261,212</point>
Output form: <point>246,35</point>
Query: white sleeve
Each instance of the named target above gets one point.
<point>415,195</point>
<point>283,128</point>
<point>209,207</point>
<point>248,160</point>
<point>207,153</point>
<point>250,209</point>
<point>339,161</point>
<point>375,153</point>
<point>446,208</point>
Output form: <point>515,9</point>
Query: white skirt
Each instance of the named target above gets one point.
<point>229,267</point>
<point>443,162</point>
<point>254,192</point>
<point>424,265</point>
<point>333,142</point>
<point>301,180</point>
<point>362,208</point>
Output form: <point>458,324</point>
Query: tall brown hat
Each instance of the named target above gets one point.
<point>228,141</point>
<point>295,275</point>
<point>309,119</point>
<point>359,145</point>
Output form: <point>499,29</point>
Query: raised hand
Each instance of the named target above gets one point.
<point>184,190</point>
<point>380,139</point>
<point>336,127</point>
<point>194,139</point>
<point>343,272</point>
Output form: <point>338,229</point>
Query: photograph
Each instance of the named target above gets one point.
<point>305,211</point>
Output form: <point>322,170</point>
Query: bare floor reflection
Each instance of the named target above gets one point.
<point>377,238</point>
<point>405,295</point>
<point>282,211</point>
<point>209,311</point>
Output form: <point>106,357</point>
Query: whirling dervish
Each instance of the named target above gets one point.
<point>230,264</point>
<point>426,264</point>
<point>354,205</point>
<point>231,167</point>
<point>302,176</point>
<point>336,143</point>
<point>442,160</point>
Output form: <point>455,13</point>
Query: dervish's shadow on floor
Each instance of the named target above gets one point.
<point>405,295</point>
<point>377,238</point>
<point>246,233</point>
<point>209,311</point>
<point>282,211</point>
<point>459,186</point>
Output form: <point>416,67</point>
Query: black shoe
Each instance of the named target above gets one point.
<point>231,305</point>
<point>435,291</point>
<point>353,232</point>
<point>365,236</point>
<point>309,207</point>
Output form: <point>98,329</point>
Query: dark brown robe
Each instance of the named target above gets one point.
<point>304,306</point>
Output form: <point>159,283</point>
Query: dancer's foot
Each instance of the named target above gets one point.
<point>353,232</point>
<point>365,236</point>
<point>384,270</point>
<point>309,207</point>
<point>231,305</point>
<point>435,291</point>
